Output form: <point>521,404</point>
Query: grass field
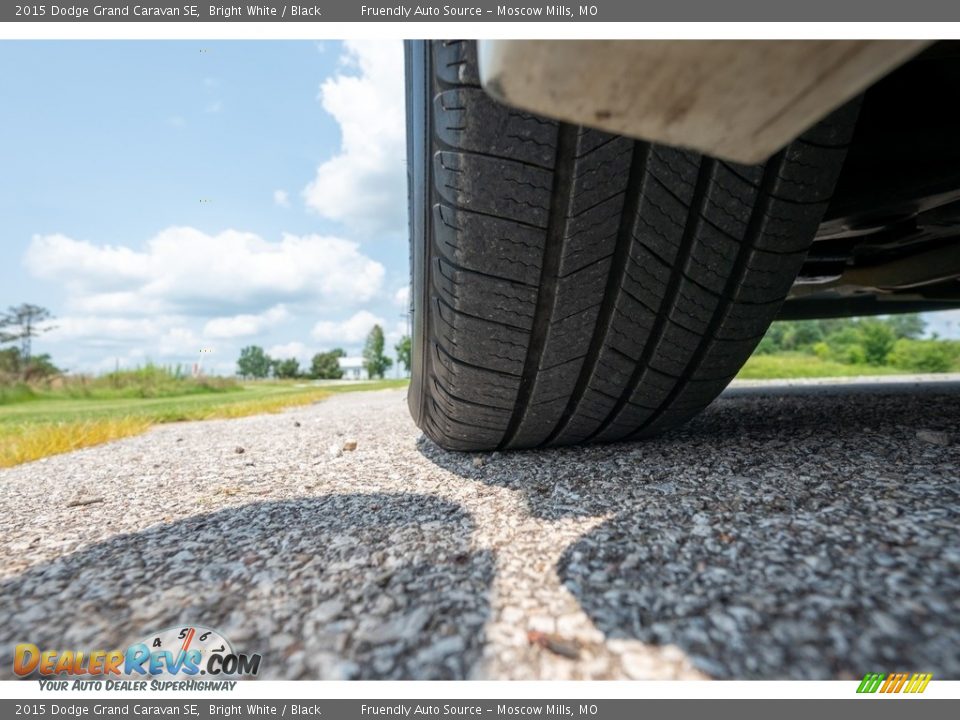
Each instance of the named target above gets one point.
<point>49,423</point>
<point>790,366</point>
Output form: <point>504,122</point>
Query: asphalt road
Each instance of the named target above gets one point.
<point>803,532</point>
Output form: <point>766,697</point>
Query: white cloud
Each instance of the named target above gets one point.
<point>176,121</point>
<point>293,349</point>
<point>245,324</point>
<point>364,185</point>
<point>179,342</point>
<point>402,297</point>
<point>104,330</point>
<point>213,107</point>
<point>182,269</point>
<point>351,331</point>
<point>281,198</point>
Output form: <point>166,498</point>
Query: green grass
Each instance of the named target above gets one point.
<point>800,365</point>
<point>53,422</point>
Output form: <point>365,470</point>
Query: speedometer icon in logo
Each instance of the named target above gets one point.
<point>189,650</point>
<point>204,640</point>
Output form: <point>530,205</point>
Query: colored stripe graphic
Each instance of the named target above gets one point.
<point>894,683</point>
<point>870,683</point>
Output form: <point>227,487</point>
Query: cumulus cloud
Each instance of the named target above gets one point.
<point>402,297</point>
<point>182,269</point>
<point>293,349</point>
<point>351,331</point>
<point>105,330</point>
<point>364,185</point>
<point>179,342</point>
<point>245,324</point>
<point>281,198</point>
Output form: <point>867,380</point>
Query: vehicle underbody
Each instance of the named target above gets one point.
<point>889,239</point>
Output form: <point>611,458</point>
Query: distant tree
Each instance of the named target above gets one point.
<point>375,362</point>
<point>909,326</point>
<point>23,323</point>
<point>253,362</point>
<point>403,352</point>
<point>40,367</point>
<point>289,368</point>
<point>324,365</point>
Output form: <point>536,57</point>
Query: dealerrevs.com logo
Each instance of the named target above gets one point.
<point>176,653</point>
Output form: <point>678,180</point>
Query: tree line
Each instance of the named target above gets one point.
<point>254,362</point>
<point>894,341</point>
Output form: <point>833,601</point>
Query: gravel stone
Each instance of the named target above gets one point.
<point>801,531</point>
<point>934,437</point>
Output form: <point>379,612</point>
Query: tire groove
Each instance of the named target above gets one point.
<point>734,280</point>
<point>691,230</point>
<point>549,270</point>
<point>618,269</point>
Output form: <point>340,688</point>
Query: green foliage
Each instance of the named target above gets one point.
<point>877,339</point>
<point>375,362</point>
<point>15,393</point>
<point>886,342</point>
<point>148,381</point>
<point>324,365</point>
<point>253,362</point>
<point>289,368</point>
<point>403,352</point>
<point>801,365</point>
<point>13,368</point>
<point>927,356</point>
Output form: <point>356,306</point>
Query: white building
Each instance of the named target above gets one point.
<point>352,368</point>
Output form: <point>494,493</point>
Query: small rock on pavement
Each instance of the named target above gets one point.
<point>934,437</point>
<point>477,461</point>
<point>239,450</point>
<point>569,649</point>
<point>349,445</point>
<point>335,451</point>
<point>80,502</point>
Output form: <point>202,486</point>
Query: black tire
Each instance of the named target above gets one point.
<point>571,285</point>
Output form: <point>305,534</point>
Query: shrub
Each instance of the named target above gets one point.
<point>931,356</point>
<point>878,340</point>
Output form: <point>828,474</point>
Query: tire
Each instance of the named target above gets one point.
<point>570,285</point>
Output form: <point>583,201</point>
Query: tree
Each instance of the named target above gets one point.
<point>253,362</point>
<point>289,368</point>
<point>26,322</point>
<point>878,340</point>
<point>375,362</point>
<point>403,352</point>
<point>324,365</point>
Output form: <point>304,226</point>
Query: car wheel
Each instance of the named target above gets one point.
<point>570,285</point>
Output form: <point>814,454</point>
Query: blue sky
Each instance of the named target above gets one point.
<point>166,197</point>
<point>163,197</point>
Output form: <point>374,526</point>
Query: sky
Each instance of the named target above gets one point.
<point>163,198</point>
<point>166,197</point>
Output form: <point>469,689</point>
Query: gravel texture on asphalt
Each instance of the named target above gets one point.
<point>778,535</point>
